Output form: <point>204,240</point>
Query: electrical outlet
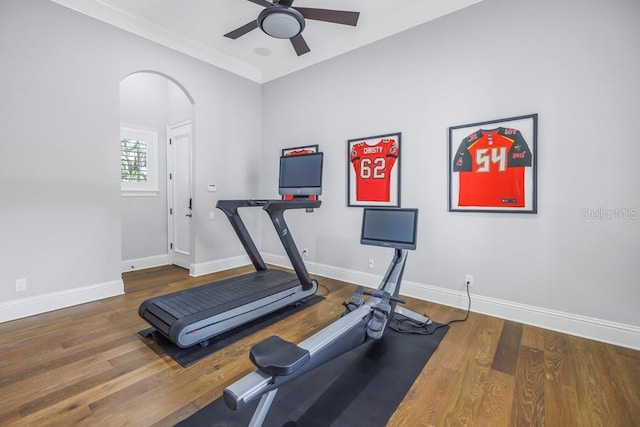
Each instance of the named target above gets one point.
<point>468,279</point>
<point>21,285</point>
<point>305,252</point>
<point>371,263</point>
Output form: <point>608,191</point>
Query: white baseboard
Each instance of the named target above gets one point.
<point>147,262</point>
<point>574,324</point>
<point>203,268</point>
<point>24,307</point>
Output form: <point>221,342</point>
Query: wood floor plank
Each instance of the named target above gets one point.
<point>15,395</point>
<point>532,337</point>
<point>627,352</point>
<point>66,416</point>
<point>610,373</point>
<point>19,372</point>
<point>555,342</point>
<point>560,398</point>
<point>475,372</point>
<point>592,404</point>
<point>507,352</point>
<point>629,373</point>
<point>124,391</point>
<point>528,407</point>
<point>177,416</point>
<point>82,383</point>
<point>86,366</point>
<point>495,408</point>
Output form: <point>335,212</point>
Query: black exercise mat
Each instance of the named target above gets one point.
<point>188,356</point>
<point>360,388</point>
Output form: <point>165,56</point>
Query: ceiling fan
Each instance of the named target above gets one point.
<point>280,20</point>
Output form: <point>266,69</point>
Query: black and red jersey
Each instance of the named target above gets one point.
<point>491,166</point>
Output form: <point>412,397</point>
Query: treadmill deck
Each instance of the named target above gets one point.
<point>181,311</point>
<point>227,294</point>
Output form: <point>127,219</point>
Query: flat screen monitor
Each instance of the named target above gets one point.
<point>389,227</point>
<point>301,175</point>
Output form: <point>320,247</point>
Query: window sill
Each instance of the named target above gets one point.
<point>139,193</point>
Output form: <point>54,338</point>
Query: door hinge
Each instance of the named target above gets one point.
<point>170,245</point>
<point>170,141</point>
<point>170,176</point>
<point>170,211</point>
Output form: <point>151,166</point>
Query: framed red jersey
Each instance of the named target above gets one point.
<point>373,171</point>
<point>296,151</point>
<point>492,166</point>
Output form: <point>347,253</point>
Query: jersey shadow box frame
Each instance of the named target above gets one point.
<point>373,170</point>
<point>297,151</point>
<point>493,166</point>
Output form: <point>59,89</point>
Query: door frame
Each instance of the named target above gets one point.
<point>171,208</point>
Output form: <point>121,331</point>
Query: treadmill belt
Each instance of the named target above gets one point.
<point>235,290</point>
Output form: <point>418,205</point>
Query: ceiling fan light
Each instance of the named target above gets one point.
<point>281,22</point>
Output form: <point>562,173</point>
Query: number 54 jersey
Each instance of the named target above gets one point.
<point>491,166</point>
<point>372,165</point>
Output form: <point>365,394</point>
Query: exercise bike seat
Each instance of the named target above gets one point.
<point>278,357</point>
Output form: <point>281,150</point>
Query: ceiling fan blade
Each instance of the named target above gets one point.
<point>301,47</point>
<point>327,15</point>
<point>263,3</point>
<point>241,31</point>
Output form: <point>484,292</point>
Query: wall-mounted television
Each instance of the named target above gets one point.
<point>389,227</point>
<point>301,175</point>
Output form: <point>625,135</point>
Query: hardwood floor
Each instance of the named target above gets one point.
<point>86,365</point>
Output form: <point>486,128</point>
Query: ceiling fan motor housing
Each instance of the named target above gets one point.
<point>281,22</point>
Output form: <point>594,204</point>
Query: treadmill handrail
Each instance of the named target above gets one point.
<point>275,208</point>
<point>230,209</point>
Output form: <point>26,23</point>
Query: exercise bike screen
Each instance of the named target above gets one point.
<point>392,227</point>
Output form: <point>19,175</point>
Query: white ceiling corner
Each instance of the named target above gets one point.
<point>196,28</point>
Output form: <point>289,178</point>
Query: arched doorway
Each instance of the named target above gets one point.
<point>156,118</point>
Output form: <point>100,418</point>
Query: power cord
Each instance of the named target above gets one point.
<point>420,328</point>
<point>326,288</point>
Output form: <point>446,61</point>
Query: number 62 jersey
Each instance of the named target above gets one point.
<point>372,165</point>
<point>491,168</point>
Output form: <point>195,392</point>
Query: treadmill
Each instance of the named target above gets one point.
<point>194,316</point>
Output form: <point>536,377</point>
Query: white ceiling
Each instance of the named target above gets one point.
<point>196,28</point>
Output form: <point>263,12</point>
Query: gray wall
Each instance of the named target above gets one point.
<point>60,202</point>
<point>575,63</point>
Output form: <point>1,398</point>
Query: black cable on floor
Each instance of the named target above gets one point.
<point>325,288</point>
<point>414,327</point>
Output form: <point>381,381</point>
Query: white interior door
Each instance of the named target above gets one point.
<point>179,193</point>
